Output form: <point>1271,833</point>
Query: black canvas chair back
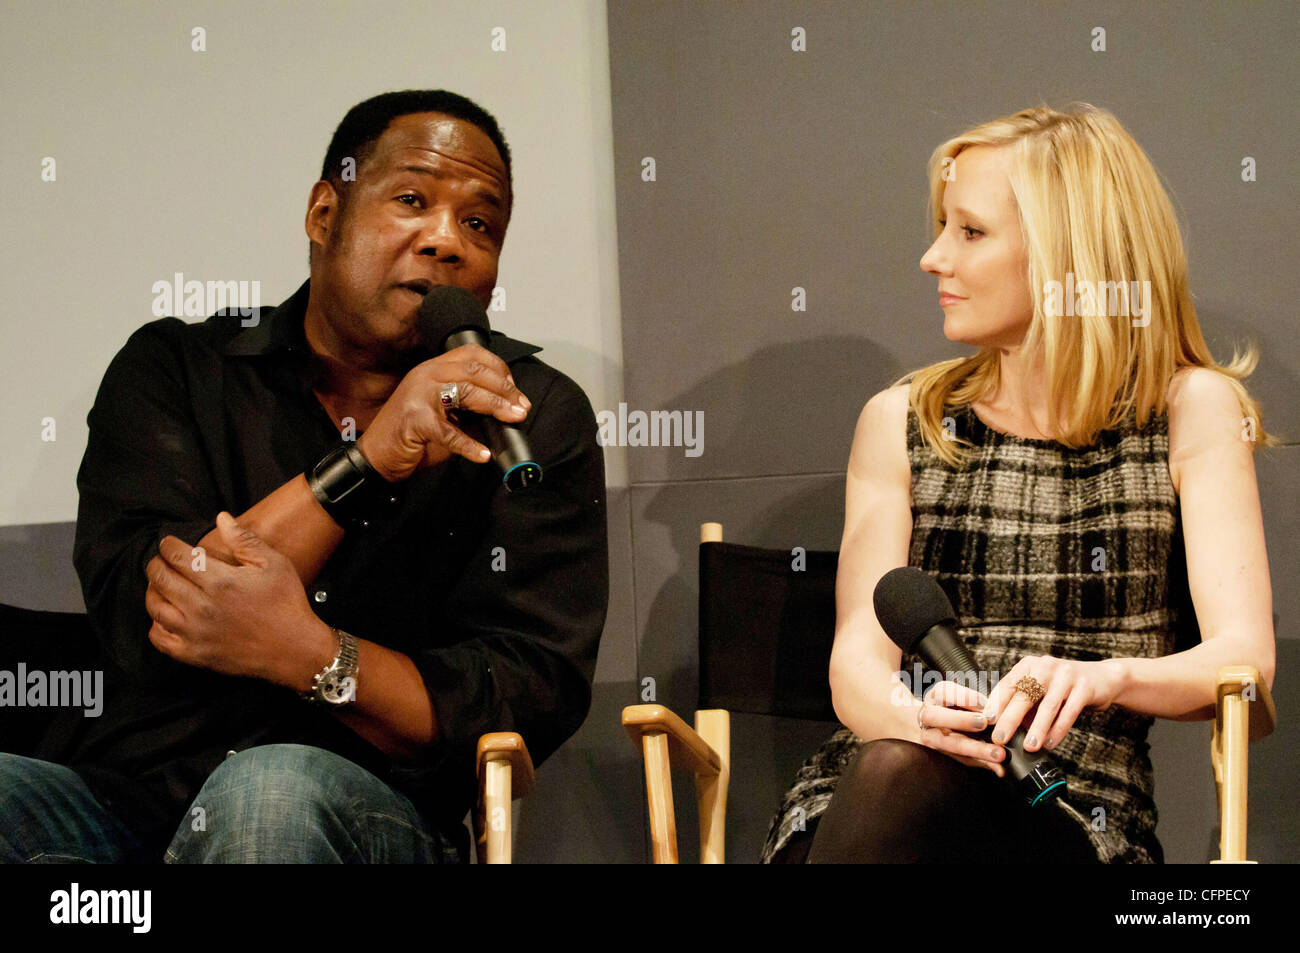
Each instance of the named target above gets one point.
<point>766,630</point>
<point>32,640</point>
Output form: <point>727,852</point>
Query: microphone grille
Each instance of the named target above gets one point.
<point>445,310</point>
<point>908,604</point>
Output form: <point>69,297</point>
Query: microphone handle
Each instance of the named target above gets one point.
<point>1033,771</point>
<point>507,443</point>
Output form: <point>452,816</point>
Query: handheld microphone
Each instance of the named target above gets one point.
<point>917,615</point>
<point>448,318</point>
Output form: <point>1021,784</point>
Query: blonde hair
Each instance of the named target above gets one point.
<point>1090,203</point>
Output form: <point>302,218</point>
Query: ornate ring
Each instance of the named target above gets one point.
<point>450,395</point>
<point>920,720</point>
<point>1031,687</point>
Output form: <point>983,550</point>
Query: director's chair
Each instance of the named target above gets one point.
<point>766,633</point>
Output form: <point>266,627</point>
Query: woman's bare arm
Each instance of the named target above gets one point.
<point>1227,563</point>
<point>866,692</point>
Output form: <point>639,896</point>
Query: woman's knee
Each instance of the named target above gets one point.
<point>891,767</point>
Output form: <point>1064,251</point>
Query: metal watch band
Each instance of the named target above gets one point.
<point>337,683</point>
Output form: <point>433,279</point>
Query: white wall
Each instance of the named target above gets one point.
<point>170,160</point>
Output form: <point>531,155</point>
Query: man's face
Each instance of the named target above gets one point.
<point>429,207</point>
<point>980,256</point>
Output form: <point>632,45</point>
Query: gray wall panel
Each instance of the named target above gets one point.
<point>778,169</point>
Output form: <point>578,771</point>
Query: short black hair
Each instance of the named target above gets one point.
<point>365,123</point>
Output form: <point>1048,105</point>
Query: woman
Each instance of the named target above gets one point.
<point>1077,486</point>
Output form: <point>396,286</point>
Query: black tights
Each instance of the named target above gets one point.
<point>903,803</point>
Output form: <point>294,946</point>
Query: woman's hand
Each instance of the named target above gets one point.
<point>1068,687</point>
<point>949,711</point>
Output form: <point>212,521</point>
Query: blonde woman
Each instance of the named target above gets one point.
<point>1082,487</point>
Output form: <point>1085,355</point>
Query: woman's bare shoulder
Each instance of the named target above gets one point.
<point>890,404</point>
<point>1204,416</point>
<point>882,433</point>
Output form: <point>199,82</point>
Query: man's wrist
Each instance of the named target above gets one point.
<point>320,646</point>
<point>349,488</point>
<point>336,683</point>
<point>368,454</point>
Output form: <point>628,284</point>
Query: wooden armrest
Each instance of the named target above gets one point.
<point>686,749</point>
<point>1240,680</point>
<point>506,746</point>
<point>668,742</point>
<point>505,774</point>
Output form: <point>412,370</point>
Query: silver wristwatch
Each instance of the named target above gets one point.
<point>337,684</point>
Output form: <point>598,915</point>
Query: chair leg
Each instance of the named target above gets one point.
<point>714,726</point>
<point>1232,744</point>
<point>496,809</point>
<point>659,794</point>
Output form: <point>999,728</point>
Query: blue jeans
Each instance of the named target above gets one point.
<point>269,804</point>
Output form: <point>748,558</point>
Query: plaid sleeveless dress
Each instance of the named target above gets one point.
<point>1045,550</point>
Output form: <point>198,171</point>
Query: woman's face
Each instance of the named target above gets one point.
<point>980,257</point>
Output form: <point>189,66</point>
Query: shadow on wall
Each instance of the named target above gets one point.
<point>758,420</point>
<point>752,414</point>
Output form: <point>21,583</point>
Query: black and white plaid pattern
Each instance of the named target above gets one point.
<point>1045,550</point>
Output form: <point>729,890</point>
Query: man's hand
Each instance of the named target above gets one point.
<point>251,618</point>
<point>413,430</point>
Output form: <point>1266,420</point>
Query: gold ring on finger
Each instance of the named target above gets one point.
<point>1031,687</point>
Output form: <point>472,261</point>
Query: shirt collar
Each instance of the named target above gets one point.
<point>281,329</point>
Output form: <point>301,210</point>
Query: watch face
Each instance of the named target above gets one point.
<point>338,691</point>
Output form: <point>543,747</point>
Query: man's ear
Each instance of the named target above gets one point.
<point>322,212</point>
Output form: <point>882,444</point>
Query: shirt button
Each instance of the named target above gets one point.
<point>230,753</point>
<point>321,595</point>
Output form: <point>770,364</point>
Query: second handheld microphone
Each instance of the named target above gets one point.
<point>916,614</point>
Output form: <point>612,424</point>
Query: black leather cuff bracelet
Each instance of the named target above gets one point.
<point>349,489</point>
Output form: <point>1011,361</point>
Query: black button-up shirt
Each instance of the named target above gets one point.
<point>498,598</point>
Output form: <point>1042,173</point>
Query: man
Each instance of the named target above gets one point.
<point>310,632</point>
